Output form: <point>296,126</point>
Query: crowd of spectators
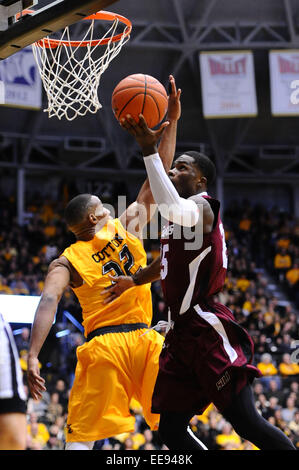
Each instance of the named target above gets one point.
<point>260,242</point>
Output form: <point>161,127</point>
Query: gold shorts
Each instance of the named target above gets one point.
<point>111,370</point>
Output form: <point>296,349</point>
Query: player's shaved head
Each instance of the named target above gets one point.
<point>78,208</point>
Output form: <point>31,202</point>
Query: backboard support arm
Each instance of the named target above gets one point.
<point>39,24</point>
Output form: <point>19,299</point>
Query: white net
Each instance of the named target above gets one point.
<point>71,73</point>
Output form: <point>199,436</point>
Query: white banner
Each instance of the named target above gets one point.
<point>284,73</point>
<point>2,92</point>
<point>18,308</point>
<point>228,84</point>
<point>21,79</point>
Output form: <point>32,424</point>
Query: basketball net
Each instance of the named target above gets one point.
<point>71,70</point>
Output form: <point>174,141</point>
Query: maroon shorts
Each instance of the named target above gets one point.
<point>206,358</point>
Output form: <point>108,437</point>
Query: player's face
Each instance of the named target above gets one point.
<point>97,206</point>
<point>98,210</point>
<point>185,176</point>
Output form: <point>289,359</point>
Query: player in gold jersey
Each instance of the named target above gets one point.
<point>117,362</point>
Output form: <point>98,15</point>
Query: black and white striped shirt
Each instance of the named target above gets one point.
<point>11,378</point>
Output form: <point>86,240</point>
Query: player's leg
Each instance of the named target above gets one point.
<point>145,365</point>
<point>174,428</point>
<point>99,400</point>
<point>176,434</point>
<point>250,425</point>
<point>12,431</point>
<point>176,395</point>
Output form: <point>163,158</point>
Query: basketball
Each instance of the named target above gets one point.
<point>140,94</point>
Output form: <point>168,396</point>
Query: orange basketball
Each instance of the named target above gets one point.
<point>140,94</point>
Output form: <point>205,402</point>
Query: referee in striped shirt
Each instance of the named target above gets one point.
<point>12,394</point>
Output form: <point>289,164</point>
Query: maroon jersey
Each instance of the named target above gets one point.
<point>207,357</point>
<point>193,270</point>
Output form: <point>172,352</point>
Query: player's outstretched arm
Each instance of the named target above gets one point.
<point>56,281</point>
<point>172,207</point>
<point>120,284</point>
<point>167,144</point>
<point>141,211</point>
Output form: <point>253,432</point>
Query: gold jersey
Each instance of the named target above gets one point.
<point>112,251</point>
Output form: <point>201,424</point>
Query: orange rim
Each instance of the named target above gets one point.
<point>24,13</point>
<point>100,15</point>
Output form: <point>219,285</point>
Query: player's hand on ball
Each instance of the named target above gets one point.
<point>147,138</point>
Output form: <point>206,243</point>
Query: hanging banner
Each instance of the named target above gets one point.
<point>228,84</point>
<point>2,92</point>
<point>21,80</point>
<point>284,79</point>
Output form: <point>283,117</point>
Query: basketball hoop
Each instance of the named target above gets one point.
<point>71,70</point>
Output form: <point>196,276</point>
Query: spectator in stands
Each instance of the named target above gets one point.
<point>293,389</point>
<point>228,436</point>
<point>282,263</point>
<point>33,444</point>
<point>262,346</point>
<point>38,407</point>
<point>284,344</point>
<point>22,340</point>
<point>275,391</point>
<point>290,325</point>
<point>280,422</point>
<point>292,278</point>
<point>262,404</point>
<point>268,369</point>
<point>148,441</point>
<point>37,431</point>
<point>258,388</point>
<point>54,442</point>
<point>54,409</point>
<point>19,287</point>
<point>137,437</point>
<point>288,368</point>
<point>4,287</point>
<point>284,240</point>
<point>242,282</point>
<point>245,223</point>
<point>294,424</point>
<point>288,412</point>
<point>269,326</point>
<point>128,444</point>
<point>61,389</point>
<point>273,405</point>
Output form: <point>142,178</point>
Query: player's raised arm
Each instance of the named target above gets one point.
<point>141,211</point>
<point>171,205</point>
<point>167,143</point>
<point>56,281</point>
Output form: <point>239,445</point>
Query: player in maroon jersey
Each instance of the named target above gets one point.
<point>207,356</point>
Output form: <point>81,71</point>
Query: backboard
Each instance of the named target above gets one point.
<point>10,8</point>
<point>15,35</point>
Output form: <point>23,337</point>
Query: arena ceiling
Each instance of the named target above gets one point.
<point>167,37</point>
